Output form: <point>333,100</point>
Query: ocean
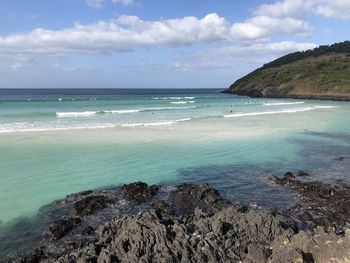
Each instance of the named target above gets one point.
<point>56,142</point>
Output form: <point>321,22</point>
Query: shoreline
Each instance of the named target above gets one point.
<point>194,223</point>
<point>289,96</point>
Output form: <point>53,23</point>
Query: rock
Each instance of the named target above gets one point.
<point>34,257</point>
<point>211,230</point>
<point>257,254</point>
<point>306,217</point>
<point>61,227</point>
<point>187,197</point>
<point>139,192</point>
<point>93,203</point>
<point>339,158</point>
<point>88,231</point>
<point>84,193</point>
<point>318,246</point>
<point>289,175</point>
<point>302,173</point>
<point>226,236</point>
<point>329,204</point>
<point>163,210</point>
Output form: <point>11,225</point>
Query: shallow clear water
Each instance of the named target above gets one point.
<point>56,144</point>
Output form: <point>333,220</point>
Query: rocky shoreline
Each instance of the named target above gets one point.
<point>272,95</point>
<point>193,223</point>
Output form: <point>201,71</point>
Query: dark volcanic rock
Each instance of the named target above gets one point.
<point>289,175</point>
<point>223,237</point>
<point>35,257</point>
<point>209,230</point>
<point>316,247</point>
<point>61,227</point>
<point>163,209</point>
<point>302,173</point>
<point>187,197</point>
<point>93,203</point>
<point>139,192</point>
<point>88,231</point>
<point>329,203</point>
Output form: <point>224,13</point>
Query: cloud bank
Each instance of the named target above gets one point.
<point>339,9</point>
<point>130,32</point>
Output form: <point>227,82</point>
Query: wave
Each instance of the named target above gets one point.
<point>76,114</point>
<point>292,110</point>
<point>182,102</point>
<point>173,98</point>
<point>283,103</point>
<point>31,127</point>
<point>119,111</point>
<point>126,111</point>
<point>168,108</point>
<point>326,107</point>
<point>161,123</point>
<point>92,113</point>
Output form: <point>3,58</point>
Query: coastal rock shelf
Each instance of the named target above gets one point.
<point>189,223</point>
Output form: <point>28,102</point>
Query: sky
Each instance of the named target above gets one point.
<point>156,43</point>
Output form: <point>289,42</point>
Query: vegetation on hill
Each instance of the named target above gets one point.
<point>322,73</point>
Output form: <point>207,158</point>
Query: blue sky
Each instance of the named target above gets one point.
<point>156,43</point>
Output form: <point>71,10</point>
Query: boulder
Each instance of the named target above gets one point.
<point>90,204</point>
<point>61,227</point>
<point>289,175</point>
<point>302,173</point>
<point>187,197</point>
<point>139,192</point>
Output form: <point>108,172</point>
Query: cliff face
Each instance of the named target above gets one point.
<point>322,73</point>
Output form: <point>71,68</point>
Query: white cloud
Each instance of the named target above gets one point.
<point>265,26</point>
<point>298,8</point>
<point>334,8</point>
<point>125,33</point>
<point>95,3</point>
<point>286,8</point>
<point>130,32</point>
<point>229,57</point>
<point>124,2</point>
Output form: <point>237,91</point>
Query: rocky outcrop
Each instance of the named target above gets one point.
<point>224,237</point>
<point>139,192</point>
<point>90,204</point>
<point>326,205</point>
<point>318,247</point>
<point>60,228</point>
<point>195,224</point>
<point>187,197</point>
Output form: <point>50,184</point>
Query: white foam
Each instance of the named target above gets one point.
<point>326,107</point>
<point>122,111</point>
<point>75,114</point>
<point>182,102</point>
<point>283,103</point>
<point>291,110</point>
<point>168,108</point>
<point>173,98</point>
<point>161,123</point>
<point>38,127</point>
<point>92,113</point>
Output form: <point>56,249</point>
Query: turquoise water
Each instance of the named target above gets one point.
<point>52,146</point>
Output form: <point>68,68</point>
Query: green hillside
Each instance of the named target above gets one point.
<point>322,73</point>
